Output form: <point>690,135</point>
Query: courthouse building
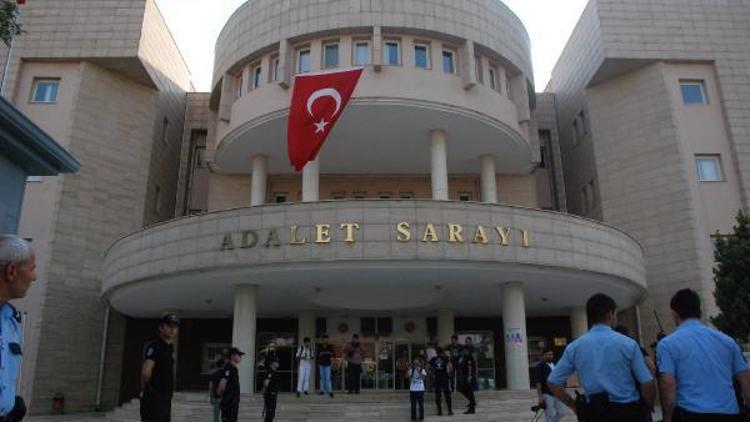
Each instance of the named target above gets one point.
<point>450,197</point>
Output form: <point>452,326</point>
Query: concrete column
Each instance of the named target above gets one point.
<point>488,179</point>
<point>243,332</point>
<point>259,181</point>
<point>579,323</point>
<point>439,154</point>
<point>516,346</point>
<point>446,326</point>
<point>311,181</point>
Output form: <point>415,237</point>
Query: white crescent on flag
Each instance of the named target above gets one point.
<point>321,93</point>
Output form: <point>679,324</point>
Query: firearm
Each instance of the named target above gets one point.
<point>661,334</point>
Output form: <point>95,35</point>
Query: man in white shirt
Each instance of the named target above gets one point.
<point>306,357</point>
<point>554,409</point>
<point>417,375</point>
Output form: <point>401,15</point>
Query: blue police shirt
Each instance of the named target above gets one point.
<point>703,361</point>
<point>606,362</point>
<point>10,357</point>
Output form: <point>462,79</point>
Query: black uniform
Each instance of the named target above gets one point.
<point>230,400</point>
<point>439,365</point>
<point>465,379</point>
<point>270,394</point>
<point>156,402</point>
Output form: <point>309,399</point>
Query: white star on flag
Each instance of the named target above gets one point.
<point>320,126</point>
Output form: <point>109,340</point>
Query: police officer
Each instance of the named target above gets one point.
<point>229,387</point>
<point>17,272</point>
<point>466,379</point>
<point>441,369</point>
<point>270,391</point>
<point>608,365</point>
<point>455,352</point>
<point>157,372</point>
<point>697,365</point>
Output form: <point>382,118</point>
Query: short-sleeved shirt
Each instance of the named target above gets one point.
<point>215,379</point>
<point>324,353</point>
<point>10,357</point>
<point>607,362</point>
<point>455,351</point>
<point>354,354</point>
<point>439,364</point>
<point>703,361</point>
<point>417,376</point>
<point>543,370</point>
<point>232,376</point>
<point>162,376</point>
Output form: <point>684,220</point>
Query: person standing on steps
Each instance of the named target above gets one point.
<point>213,386</point>
<point>354,357</point>
<point>466,380</point>
<point>554,409</point>
<point>455,353</point>
<point>306,357</point>
<point>324,353</point>
<point>441,370</point>
<point>270,391</point>
<point>417,376</point>
<point>157,373</point>
<point>229,387</point>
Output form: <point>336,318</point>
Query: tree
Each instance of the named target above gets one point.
<point>9,26</point>
<point>732,277</point>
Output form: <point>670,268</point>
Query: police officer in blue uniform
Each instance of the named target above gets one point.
<point>157,373</point>
<point>608,366</point>
<point>17,272</point>
<point>697,365</point>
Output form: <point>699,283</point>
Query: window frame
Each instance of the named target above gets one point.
<point>701,84</point>
<point>479,69</point>
<point>256,75</point>
<point>716,158</point>
<point>300,52</point>
<point>355,45</point>
<point>273,73</point>
<point>428,56</point>
<point>399,58</point>
<point>454,60</point>
<point>324,57</point>
<point>45,80</point>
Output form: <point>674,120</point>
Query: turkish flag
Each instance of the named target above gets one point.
<point>20,1</point>
<point>317,102</point>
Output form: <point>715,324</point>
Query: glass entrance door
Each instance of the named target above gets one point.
<point>404,355</point>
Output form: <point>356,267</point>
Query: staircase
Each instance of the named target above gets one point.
<point>496,406</point>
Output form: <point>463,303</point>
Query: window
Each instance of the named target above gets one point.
<point>449,61</point>
<point>279,197</point>
<point>392,53</point>
<point>330,55</point>
<point>45,90</point>
<point>303,60</point>
<point>199,157</point>
<point>464,196</point>
<point>360,195</point>
<point>212,353</point>
<point>274,73</point>
<point>385,195</point>
<point>542,156</point>
<point>478,69</point>
<point>34,178</point>
<point>238,82</point>
<point>709,168</point>
<point>422,56</point>
<point>165,131</point>
<point>693,92</point>
<point>338,196</point>
<point>406,195</point>
<point>493,77</point>
<point>257,72</point>
<point>361,53</point>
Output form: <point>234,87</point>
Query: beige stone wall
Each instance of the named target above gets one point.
<point>197,117</point>
<point>552,178</point>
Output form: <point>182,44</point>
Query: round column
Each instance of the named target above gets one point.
<point>243,333</point>
<point>439,155</point>
<point>579,323</point>
<point>488,179</point>
<point>259,180</point>
<point>445,326</point>
<point>311,181</point>
<point>516,346</point>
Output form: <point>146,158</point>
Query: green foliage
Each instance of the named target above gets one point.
<point>9,26</point>
<point>732,277</point>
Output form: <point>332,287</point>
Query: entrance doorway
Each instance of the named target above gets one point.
<point>385,365</point>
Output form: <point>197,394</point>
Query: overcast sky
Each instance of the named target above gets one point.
<point>195,25</point>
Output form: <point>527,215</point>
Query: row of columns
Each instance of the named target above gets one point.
<point>438,167</point>
<point>514,329</point>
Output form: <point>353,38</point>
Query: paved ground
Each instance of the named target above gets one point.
<point>88,417</point>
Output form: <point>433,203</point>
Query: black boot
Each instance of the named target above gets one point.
<point>470,411</point>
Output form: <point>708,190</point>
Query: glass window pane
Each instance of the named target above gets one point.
<point>420,56</point>
<point>256,77</point>
<point>275,74</point>
<point>391,54</point>
<point>304,61</point>
<point>692,93</point>
<point>708,169</point>
<point>46,91</point>
<point>362,54</point>
<point>493,81</point>
<point>448,66</point>
<point>331,55</point>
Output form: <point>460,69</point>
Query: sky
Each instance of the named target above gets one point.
<point>195,25</point>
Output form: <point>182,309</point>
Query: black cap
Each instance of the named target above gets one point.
<point>235,351</point>
<point>170,319</point>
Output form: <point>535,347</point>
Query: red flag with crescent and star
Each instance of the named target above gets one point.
<point>317,103</point>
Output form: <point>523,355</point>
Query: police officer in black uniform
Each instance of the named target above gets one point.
<point>229,387</point>
<point>466,379</point>
<point>157,373</point>
<point>441,370</point>
<point>270,391</point>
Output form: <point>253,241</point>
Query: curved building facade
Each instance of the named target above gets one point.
<point>422,217</point>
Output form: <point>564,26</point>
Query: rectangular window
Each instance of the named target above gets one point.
<point>199,157</point>
<point>449,61</point>
<point>45,90</point>
<point>464,196</point>
<point>280,197</point>
<point>361,53</point>
<point>709,168</point>
<point>392,53</point>
<point>693,92</point>
<point>330,55</point>
<point>493,78</point>
<point>213,353</point>
<point>274,69</point>
<point>239,81</point>
<point>542,156</point>
<point>385,195</point>
<point>303,60</point>
<point>478,69</point>
<point>422,56</point>
<point>257,72</point>
<point>360,195</point>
